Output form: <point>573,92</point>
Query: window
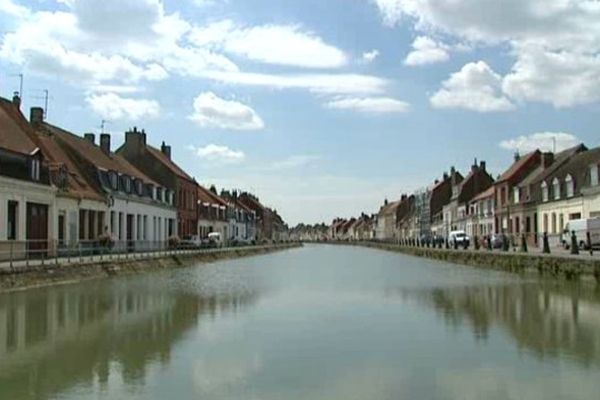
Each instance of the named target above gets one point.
<point>139,187</point>
<point>554,223</point>
<point>545,196</point>
<point>556,188</point>
<point>35,169</point>
<point>11,228</point>
<point>516,195</point>
<point>570,183</point>
<point>594,175</point>
<point>114,180</point>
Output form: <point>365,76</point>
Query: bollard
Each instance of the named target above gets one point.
<point>476,243</point>
<point>489,243</point>
<point>546,244</point>
<point>574,245</point>
<point>455,244</point>
<point>589,243</point>
<point>465,244</point>
<point>447,244</point>
<point>505,243</point>
<point>523,243</point>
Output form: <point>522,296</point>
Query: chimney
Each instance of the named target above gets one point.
<point>36,115</point>
<point>547,159</point>
<point>385,203</point>
<point>482,166</point>
<point>144,137</point>
<point>105,143</point>
<point>517,156</point>
<point>135,140</point>
<point>445,177</point>
<point>90,137</point>
<point>403,197</point>
<point>166,150</point>
<point>16,100</point>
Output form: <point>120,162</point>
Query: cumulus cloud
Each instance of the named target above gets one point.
<point>475,87</point>
<point>11,8</point>
<point>271,44</point>
<point>375,105</point>
<point>220,154</point>
<point>426,51</point>
<point>211,111</point>
<point>316,83</point>
<point>113,107</point>
<point>555,43</point>
<point>544,141</point>
<point>370,56</point>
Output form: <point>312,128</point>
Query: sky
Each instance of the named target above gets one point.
<point>321,108</point>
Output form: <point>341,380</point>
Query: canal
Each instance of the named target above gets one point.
<point>320,322</point>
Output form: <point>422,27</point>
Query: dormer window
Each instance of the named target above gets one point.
<point>139,187</point>
<point>594,175</point>
<point>159,194</point>
<point>556,188</point>
<point>34,169</point>
<point>127,181</point>
<point>570,183</point>
<point>545,196</point>
<point>114,180</point>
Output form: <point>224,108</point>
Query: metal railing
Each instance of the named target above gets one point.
<point>15,255</point>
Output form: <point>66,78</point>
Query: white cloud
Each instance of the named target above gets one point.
<point>426,51</point>
<point>545,141</point>
<point>561,78</point>
<point>475,87</point>
<point>271,44</point>
<point>375,105</point>
<point>211,111</point>
<point>14,9</point>
<point>556,43</point>
<point>316,83</point>
<point>113,107</point>
<point>370,56</point>
<point>220,154</point>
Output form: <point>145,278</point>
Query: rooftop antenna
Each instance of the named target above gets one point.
<point>103,124</point>
<point>46,97</point>
<point>21,77</point>
<point>554,144</point>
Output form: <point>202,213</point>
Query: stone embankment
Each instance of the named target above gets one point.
<point>39,276</point>
<point>557,266</point>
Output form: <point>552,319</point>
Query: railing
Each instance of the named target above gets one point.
<point>16,255</point>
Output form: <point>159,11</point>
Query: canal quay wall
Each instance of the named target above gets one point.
<point>567,267</point>
<point>89,268</point>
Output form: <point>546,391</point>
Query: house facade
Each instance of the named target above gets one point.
<point>141,214</point>
<point>27,199</point>
<point>568,193</point>
<point>480,219</point>
<point>212,213</point>
<point>158,165</point>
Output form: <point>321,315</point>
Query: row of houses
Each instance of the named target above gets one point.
<point>59,190</point>
<point>540,192</point>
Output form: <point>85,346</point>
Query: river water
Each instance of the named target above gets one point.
<point>321,322</point>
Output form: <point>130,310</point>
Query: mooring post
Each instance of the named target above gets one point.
<point>546,247</point>
<point>524,243</point>
<point>574,245</point>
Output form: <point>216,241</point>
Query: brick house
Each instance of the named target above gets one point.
<point>158,165</point>
<point>440,195</point>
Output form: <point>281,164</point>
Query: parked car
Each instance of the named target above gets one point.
<point>498,240</point>
<point>582,227</point>
<point>461,238</point>
<point>190,242</point>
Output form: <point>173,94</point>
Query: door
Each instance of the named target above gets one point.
<point>37,230</point>
<point>130,242</point>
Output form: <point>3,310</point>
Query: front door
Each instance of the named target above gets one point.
<point>37,230</point>
<point>130,242</point>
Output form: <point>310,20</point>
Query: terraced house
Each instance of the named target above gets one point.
<point>27,199</point>
<point>141,213</point>
<point>160,167</point>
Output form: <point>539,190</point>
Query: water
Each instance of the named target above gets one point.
<point>322,322</point>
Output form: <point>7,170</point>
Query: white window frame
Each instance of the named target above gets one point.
<point>555,186</point>
<point>570,183</point>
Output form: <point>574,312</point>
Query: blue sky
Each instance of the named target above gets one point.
<point>322,108</point>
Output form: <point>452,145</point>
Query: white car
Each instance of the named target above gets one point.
<point>460,237</point>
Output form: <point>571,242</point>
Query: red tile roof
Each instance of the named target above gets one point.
<point>485,194</point>
<point>206,196</point>
<point>516,166</point>
<point>167,162</point>
<point>94,154</point>
<point>15,131</point>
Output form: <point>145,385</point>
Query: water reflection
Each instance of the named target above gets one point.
<point>544,318</point>
<point>56,339</point>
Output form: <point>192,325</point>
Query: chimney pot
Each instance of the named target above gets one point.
<point>36,115</point>
<point>105,143</point>
<point>16,99</point>
<point>482,165</point>
<point>166,150</point>
<point>90,137</point>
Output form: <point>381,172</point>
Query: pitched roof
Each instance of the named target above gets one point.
<point>14,129</point>
<point>168,163</point>
<point>390,208</point>
<point>55,157</point>
<point>559,160</point>
<point>489,192</point>
<point>206,196</point>
<point>577,167</point>
<point>516,166</point>
<point>94,154</point>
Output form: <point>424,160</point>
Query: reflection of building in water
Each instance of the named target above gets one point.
<point>54,339</point>
<point>548,321</point>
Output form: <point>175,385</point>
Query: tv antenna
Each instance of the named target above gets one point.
<point>46,97</point>
<point>103,124</point>
<point>21,77</point>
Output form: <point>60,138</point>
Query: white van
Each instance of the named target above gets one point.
<point>215,238</point>
<point>460,237</point>
<point>581,227</point>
